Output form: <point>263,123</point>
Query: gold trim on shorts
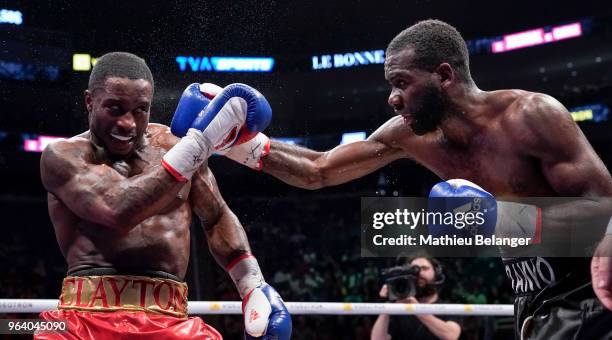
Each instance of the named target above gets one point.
<point>107,293</point>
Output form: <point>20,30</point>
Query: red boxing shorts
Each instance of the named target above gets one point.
<point>125,307</point>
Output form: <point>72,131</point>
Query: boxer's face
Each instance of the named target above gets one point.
<point>427,273</point>
<point>415,93</point>
<point>119,113</point>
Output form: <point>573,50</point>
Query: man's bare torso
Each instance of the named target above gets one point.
<point>160,242</point>
<point>494,157</point>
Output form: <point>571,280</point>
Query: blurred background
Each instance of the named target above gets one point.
<point>319,63</point>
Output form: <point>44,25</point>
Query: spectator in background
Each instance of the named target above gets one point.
<point>428,326</point>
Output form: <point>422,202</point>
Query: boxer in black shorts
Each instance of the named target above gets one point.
<point>513,143</point>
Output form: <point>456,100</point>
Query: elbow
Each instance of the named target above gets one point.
<point>313,184</point>
<point>453,336</point>
<point>453,332</point>
<point>315,178</point>
<point>112,213</point>
<point>320,174</point>
<point>114,220</point>
<point>379,335</point>
<point>374,336</point>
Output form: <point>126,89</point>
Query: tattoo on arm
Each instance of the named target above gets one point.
<point>97,193</point>
<point>225,235</point>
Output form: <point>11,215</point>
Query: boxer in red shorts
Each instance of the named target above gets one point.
<point>121,196</point>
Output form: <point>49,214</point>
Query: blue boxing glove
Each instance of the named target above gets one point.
<point>265,314</point>
<point>194,99</point>
<point>210,121</point>
<point>476,212</point>
<point>248,149</point>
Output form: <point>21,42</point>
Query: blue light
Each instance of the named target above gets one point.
<point>239,64</point>
<point>8,16</point>
<point>351,137</point>
<point>352,59</point>
<point>193,64</point>
<point>224,64</point>
<point>24,71</point>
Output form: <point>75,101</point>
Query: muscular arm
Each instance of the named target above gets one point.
<point>310,169</point>
<point>224,233</point>
<point>99,194</point>
<point>568,162</point>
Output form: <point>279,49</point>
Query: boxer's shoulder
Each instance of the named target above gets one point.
<point>519,111</point>
<point>74,147</point>
<point>539,105</point>
<point>533,107</point>
<point>61,158</point>
<point>159,135</point>
<point>394,132</point>
<point>536,120</point>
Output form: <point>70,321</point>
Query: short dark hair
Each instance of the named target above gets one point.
<point>436,265</point>
<point>119,64</point>
<point>434,42</point>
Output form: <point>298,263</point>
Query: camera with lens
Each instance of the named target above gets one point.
<point>401,281</point>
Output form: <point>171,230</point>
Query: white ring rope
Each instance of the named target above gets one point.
<point>295,308</point>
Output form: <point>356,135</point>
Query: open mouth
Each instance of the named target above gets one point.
<point>122,138</point>
<point>399,110</point>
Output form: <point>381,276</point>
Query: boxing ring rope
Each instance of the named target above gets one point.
<point>296,308</point>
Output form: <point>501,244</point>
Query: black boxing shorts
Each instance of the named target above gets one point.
<point>554,299</point>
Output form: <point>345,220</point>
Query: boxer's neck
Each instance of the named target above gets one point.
<point>465,114</point>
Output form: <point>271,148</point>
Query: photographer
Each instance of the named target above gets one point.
<point>416,281</point>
